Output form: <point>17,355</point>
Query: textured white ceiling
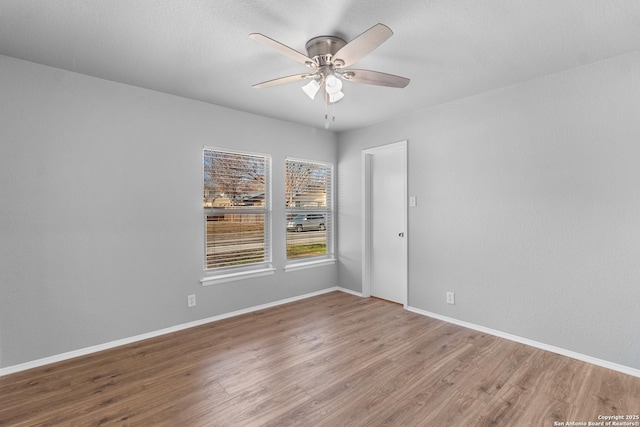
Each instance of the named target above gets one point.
<point>200,49</point>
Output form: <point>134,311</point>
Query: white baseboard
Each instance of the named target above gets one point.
<point>349,291</point>
<point>582,357</point>
<point>100,347</point>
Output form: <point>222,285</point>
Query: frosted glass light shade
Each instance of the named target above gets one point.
<point>335,97</point>
<point>333,85</point>
<point>311,88</point>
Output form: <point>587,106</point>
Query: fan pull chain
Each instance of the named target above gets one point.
<point>326,110</point>
<point>327,123</point>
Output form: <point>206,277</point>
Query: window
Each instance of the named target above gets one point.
<point>237,210</point>
<point>309,209</point>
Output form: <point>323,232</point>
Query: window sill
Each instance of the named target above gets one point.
<point>238,275</point>
<point>309,264</point>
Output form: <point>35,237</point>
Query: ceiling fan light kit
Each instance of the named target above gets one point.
<point>328,56</point>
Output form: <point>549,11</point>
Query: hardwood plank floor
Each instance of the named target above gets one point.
<point>330,360</point>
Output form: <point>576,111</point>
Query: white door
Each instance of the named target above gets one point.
<point>386,210</point>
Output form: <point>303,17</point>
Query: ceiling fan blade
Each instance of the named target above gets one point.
<point>283,49</point>
<point>283,80</point>
<point>359,47</point>
<point>374,78</point>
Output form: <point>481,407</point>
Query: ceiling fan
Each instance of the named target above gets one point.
<point>328,58</point>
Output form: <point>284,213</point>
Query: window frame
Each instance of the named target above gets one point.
<point>243,271</point>
<point>293,264</point>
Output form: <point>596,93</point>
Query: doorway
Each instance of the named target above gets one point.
<point>385,222</point>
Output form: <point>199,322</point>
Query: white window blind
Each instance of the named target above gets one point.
<point>237,207</point>
<point>309,209</point>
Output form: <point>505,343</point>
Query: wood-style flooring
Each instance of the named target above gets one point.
<point>331,360</point>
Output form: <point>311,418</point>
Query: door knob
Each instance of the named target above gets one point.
<point>400,234</point>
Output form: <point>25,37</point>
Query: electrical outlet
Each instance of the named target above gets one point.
<point>191,301</point>
<point>451,298</point>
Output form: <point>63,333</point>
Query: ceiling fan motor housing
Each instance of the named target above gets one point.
<point>321,49</point>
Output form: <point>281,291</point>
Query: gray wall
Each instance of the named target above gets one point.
<point>101,210</point>
<point>528,208</point>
